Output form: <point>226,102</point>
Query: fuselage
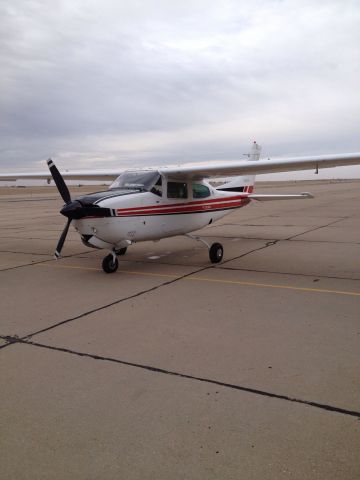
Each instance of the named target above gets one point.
<point>166,208</point>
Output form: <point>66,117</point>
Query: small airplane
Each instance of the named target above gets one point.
<point>154,203</point>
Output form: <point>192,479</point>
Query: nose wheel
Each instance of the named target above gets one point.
<point>110,263</point>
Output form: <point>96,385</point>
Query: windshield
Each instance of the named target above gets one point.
<point>140,180</point>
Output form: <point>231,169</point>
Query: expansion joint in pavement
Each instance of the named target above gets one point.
<point>254,391</point>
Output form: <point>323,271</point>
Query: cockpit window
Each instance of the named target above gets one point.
<point>139,180</point>
<point>157,188</point>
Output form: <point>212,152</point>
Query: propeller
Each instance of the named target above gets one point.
<point>59,182</point>
<point>62,238</point>
<point>73,210</point>
<point>65,195</point>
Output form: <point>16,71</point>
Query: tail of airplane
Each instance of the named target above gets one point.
<point>243,184</point>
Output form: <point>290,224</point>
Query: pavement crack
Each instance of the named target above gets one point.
<point>138,294</point>
<point>51,259</point>
<point>24,265</point>
<point>267,245</point>
<point>254,391</point>
<point>332,242</point>
<point>316,228</point>
<point>130,297</point>
<point>9,340</point>
<point>24,253</point>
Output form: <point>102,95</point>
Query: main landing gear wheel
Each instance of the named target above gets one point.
<point>216,252</point>
<point>110,264</point>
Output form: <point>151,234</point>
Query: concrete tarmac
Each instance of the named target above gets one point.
<point>175,368</point>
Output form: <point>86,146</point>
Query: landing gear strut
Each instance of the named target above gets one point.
<point>216,250</point>
<point>110,263</point>
<point>121,251</point>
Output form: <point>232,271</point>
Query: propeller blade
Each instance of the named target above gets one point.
<point>62,239</point>
<point>59,181</point>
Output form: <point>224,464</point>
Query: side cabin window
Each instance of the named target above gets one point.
<point>200,191</point>
<point>177,190</point>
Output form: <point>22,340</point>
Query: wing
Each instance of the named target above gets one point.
<point>252,167</point>
<point>101,175</point>
<point>210,169</point>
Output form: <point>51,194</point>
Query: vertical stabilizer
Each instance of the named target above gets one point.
<point>244,184</point>
<point>255,151</point>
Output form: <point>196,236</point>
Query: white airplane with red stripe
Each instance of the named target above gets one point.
<point>151,204</point>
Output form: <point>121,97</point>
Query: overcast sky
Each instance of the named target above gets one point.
<point>113,83</point>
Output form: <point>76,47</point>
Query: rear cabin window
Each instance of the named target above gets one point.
<point>200,191</point>
<point>177,190</point>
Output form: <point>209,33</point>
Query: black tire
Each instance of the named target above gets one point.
<point>216,253</point>
<point>110,264</point>
<point>121,251</point>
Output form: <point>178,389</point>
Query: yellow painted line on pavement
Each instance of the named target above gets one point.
<point>45,264</point>
<point>272,285</point>
<point>214,280</point>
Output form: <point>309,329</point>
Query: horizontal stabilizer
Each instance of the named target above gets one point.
<point>265,197</point>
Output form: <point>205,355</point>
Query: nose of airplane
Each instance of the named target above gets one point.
<point>80,208</point>
<point>73,210</point>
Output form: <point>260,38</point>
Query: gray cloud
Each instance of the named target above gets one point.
<point>112,83</point>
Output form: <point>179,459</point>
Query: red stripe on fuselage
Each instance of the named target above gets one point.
<point>198,202</point>
<point>183,208</point>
